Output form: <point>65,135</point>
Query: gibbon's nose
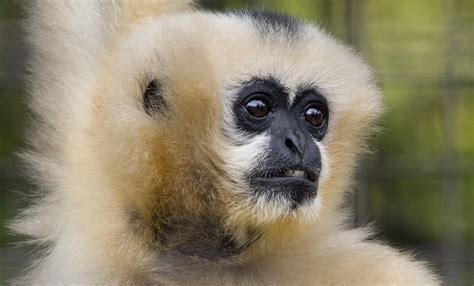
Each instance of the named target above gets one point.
<point>295,142</point>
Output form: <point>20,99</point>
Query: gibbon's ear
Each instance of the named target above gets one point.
<point>153,98</point>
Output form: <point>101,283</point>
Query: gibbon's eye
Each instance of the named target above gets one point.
<point>315,116</point>
<point>258,107</point>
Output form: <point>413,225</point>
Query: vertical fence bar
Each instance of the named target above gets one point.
<point>452,203</point>
<point>353,11</point>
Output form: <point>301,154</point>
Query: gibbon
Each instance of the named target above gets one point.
<point>174,146</point>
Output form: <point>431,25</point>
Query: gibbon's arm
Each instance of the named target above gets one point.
<point>342,257</point>
<point>342,260</point>
<point>332,256</point>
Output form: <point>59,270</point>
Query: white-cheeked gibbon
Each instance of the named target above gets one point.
<point>175,146</point>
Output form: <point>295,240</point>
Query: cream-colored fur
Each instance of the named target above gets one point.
<point>107,171</point>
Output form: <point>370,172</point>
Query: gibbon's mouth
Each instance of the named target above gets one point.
<point>285,175</point>
<point>295,185</point>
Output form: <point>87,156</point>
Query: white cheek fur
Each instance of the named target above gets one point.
<point>325,163</point>
<point>242,158</point>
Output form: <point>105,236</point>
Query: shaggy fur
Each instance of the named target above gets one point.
<point>133,196</point>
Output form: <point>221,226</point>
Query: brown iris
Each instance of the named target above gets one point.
<point>257,107</point>
<point>314,116</point>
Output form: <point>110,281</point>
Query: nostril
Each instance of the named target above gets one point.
<point>295,141</point>
<point>291,145</point>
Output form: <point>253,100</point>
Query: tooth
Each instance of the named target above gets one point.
<point>299,173</point>
<point>294,173</point>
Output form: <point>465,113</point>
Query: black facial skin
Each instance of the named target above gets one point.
<point>263,106</point>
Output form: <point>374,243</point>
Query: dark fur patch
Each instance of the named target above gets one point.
<point>202,238</point>
<point>271,22</point>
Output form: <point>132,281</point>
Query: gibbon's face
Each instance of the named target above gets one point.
<point>243,119</point>
<point>287,126</point>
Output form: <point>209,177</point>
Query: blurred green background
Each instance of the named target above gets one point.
<point>419,184</point>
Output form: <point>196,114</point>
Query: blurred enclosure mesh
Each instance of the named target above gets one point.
<point>419,184</point>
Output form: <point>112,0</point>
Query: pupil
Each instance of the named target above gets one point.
<point>257,108</point>
<point>314,116</point>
